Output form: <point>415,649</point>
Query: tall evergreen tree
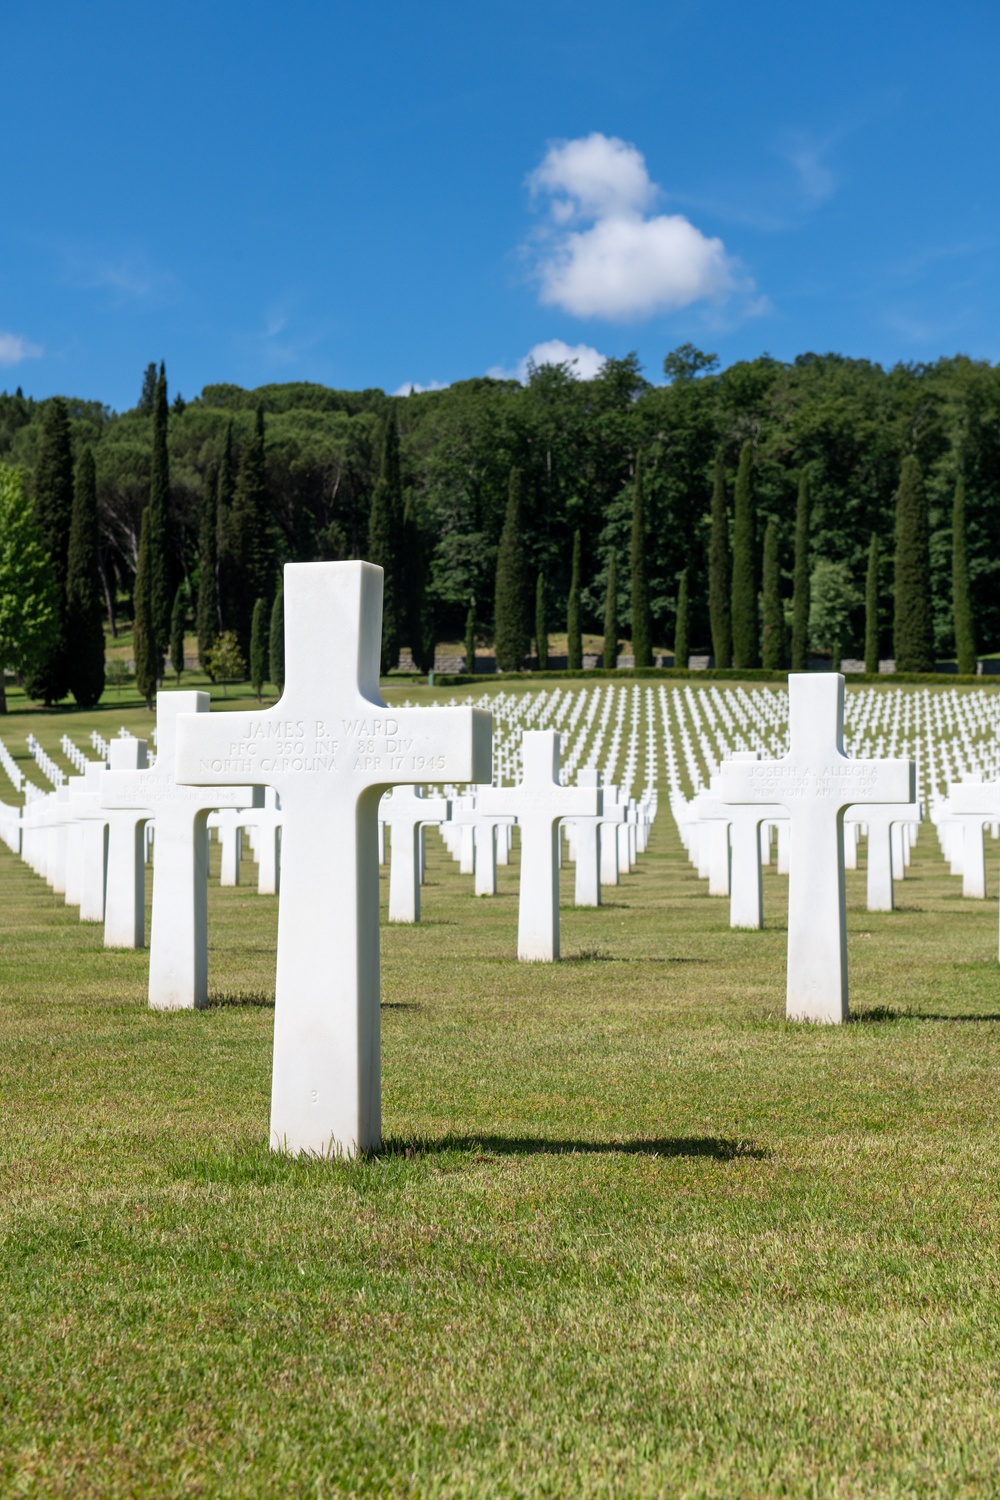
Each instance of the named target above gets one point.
<point>745,609</point>
<point>178,624</point>
<point>470,638</point>
<point>574,638</point>
<point>148,660</point>
<point>29,598</point>
<point>258,648</point>
<point>541,625</point>
<point>385,539</point>
<point>251,537</point>
<point>773,653</point>
<point>610,657</point>
<point>48,677</point>
<point>642,647</point>
<point>419,632</point>
<point>511,632</point>
<point>682,648</point>
<point>965,636</point>
<point>871,607</point>
<point>800,579</point>
<point>913,637</point>
<point>160,549</point>
<point>84,606</point>
<point>207,623</point>
<point>147,397</point>
<point>719,610</point>
<point>276,641</point>
<point>226,569</point>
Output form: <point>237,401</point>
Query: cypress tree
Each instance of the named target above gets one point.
<point>800,579</point>
<point>147,397</point>
<point>418,622</point>
<point>225,568</point>
<point>541,625</point>
<point>913,638</point>
<point>53,516</point>
<point>207,623</point>
<point>276,642</point>
<point>773,653</point>
<point>148,661</point>
<point>470,638</point>
<point>510,625</point>
<point>258,648</point>
<point>720,615</point>
<point>385,530</point>
<point>251,535</point>
<point>178,621</point>
<point>641,644</point>
<point>965,636</point>
<point>84,608</point>
<point>745,617</point>
<point>161,579</point>
<point>610,657</point>
<point>682,649</point>
<point>574,639</point>
<point>871,607</point>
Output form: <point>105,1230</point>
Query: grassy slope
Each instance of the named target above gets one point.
<point>631,1233</point>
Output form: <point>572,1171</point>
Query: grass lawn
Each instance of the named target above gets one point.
<point>630,1233</point>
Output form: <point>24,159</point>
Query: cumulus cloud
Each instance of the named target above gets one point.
<point>583,361</point>
<point>602,253</point>
<point>409,386</point>
<point>14,349</point>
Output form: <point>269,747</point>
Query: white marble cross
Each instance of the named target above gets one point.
<point>86,805</point>
<point>972,804</point>
<point>330,747</point>
<point>880,818</point>
<point>404,814</point>
<point>125,903</point>
<point>815,782</point>
<point>178,939</point>
<point>486,830</point>
<point>539,802</point>
<point>746,886</point>
<point>588,834</point>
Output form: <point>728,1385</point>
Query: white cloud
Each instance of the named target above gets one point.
<point>584,362</point>
<point>816,182</point>
<point>14,348</point>
<point>414,385</point>
<point>602,255</point>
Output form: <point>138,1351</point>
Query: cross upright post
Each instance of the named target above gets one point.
<point>330,747</point>
<point>815,782</point>
<point>404,814</point>
<point>972,800</point>
<point>880,820</point>
<point>125,902</point>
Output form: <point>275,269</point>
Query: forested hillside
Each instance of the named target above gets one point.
<point>847,424</point>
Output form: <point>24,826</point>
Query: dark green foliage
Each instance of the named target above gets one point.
<point>29,598</point>
<point>470,639</point>
<point>965,636</point>
<point>148,660</point>
<point>276,641</point>
<point>610,657</point>
<point>160,540</point>
<point>719,608</point>
<point>574,637</point>
<point>511,632</point>
<point>48,677</point>
<point>913,638</point>
<point>207,623</point>
<point>147,397</point>
<point>178,624</point>
<point>682,648</point>
<point>84,608</point>
<point>258,648</point>
<point>385,538</point>
<point>250,536</point>
<point>773,640</point>
<point>227,571</point>
<point>745,609</point>
<point>642,647</point>
<point>871,607</point>
<point>419,629</point>
<point>541,626</point>
<point>800,579</point>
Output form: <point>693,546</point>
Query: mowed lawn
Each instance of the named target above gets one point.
<point>630,1232</point>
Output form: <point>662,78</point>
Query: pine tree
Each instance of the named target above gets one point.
<point>48,677</point>
<point>744,616</point>
<point>258,648</point>
<point>251,539</point>
<point>276,643</point>
<point>510,626</point>
<point>913,638</point>
<point>642,651</point>
<point>611,616</point>
<point>720,614</point>
<point>773,653</point>
<point>541,626</point>
<point>148,661</point>
<point>800,579</point>
<point>385,531</point>
<point>160,551</point>
<point>226,570</point>
<point>84,609</point>
<point>178,622</point>
<point>682,649</point>
<point>574,638</point>
<point>207,624</point>
<point>965,636</point>
<point>871,607</point>
<point>470,638</point>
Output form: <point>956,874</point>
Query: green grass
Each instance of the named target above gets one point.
<point>630,1234</point>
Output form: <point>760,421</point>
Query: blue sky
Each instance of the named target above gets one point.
<point>373,195</point>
